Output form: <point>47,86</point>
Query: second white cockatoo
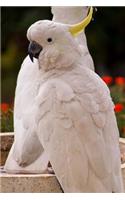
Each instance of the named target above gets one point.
<point>27,154</point>
<point>73,15</point>
<point>72,112</point>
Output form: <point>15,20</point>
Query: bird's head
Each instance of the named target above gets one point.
<point>53,44</point>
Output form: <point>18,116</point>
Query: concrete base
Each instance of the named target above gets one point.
<point>14,183</point>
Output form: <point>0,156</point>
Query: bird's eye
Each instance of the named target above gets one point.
<point>49,40</point>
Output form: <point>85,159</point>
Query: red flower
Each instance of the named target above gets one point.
<point>120,80</point>
<point>107,79</point>
<point>4,107</point>
<point>118,107</point>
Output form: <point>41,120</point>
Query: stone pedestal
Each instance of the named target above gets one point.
<point>44,183</point>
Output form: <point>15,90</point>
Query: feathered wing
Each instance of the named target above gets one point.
<point>82,147</point>
<point>26,153</point>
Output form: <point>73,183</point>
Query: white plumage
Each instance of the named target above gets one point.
<point>70,111</point>
<point>79,132</point>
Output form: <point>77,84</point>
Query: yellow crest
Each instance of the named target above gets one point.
<point>78,28</point>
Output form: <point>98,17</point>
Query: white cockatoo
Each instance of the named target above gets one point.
<point>27,154</point>
<point>72,113</point>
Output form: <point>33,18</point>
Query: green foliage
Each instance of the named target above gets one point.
<point>118,93</point>
<point>7,121</point>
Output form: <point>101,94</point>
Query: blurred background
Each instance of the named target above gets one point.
<point>106,43</point>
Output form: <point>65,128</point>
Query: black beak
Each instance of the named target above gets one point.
<point>34,50</point>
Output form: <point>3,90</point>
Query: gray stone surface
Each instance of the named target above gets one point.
<point>44,183</point>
